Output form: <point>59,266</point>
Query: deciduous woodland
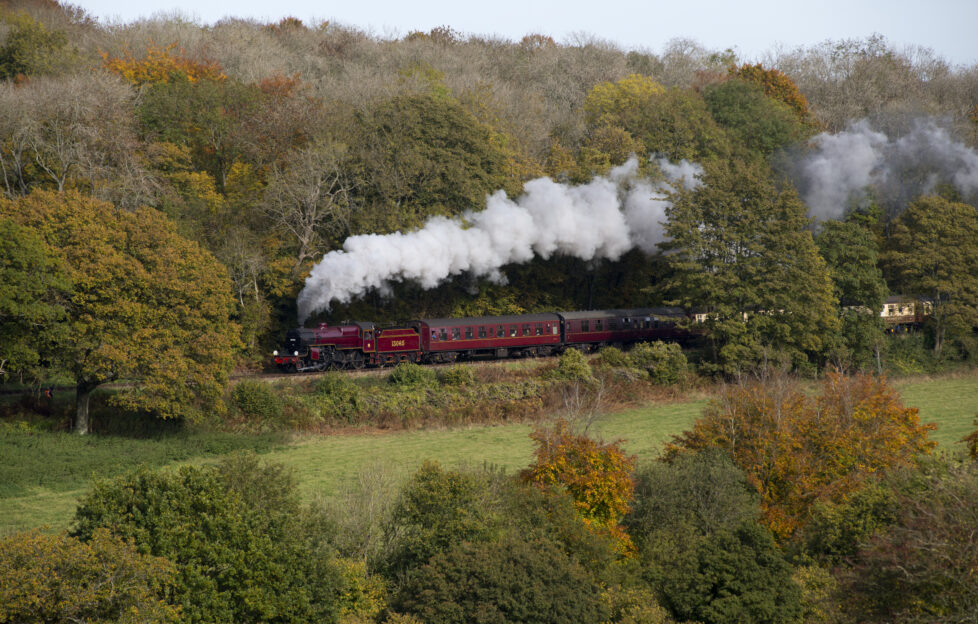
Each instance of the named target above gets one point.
<point>174,197</point>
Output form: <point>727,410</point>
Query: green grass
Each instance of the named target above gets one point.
<point>950,402</point>
<point>42,475</point>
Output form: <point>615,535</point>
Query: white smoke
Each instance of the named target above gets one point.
<point>844,167</point>
<point>602,219</point>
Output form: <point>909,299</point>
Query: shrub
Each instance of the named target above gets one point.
<point>572,365</point>
<point>457,376</point>
<point>257,399</point>
<point>411,375</point>
<point>614,357</point>
<point>665,361</point>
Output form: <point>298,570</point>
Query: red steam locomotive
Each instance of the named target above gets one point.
<point>357,344</point>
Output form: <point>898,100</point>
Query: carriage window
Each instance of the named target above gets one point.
<point>598,325</point>
<point>444,334</point>
<point>538,329</point>
<point>500,331</point>
<point>585,325</point>
<point>626,322</point>
<point>512,330</point>
<point>612,324</point>
<point>468,332</point>
<point>526,330</point>
<point>456,333</point>
<point>482,332</point>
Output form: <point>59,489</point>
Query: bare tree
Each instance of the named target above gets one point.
<point>309,198</point>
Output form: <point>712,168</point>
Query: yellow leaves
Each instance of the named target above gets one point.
<point>597,475</point>
<point>607,101</point>
<point>162,65</point>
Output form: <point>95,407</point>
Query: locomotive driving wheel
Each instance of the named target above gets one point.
<point>356,360</point>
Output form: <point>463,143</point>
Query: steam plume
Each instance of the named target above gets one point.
<point>844,167</point>
<point>601,219</point>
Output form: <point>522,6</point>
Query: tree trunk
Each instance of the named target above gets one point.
<point>83,391</point>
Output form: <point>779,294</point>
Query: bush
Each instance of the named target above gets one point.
<point>572,365</point>
<point>614,357</point>
<point>665,361</point>
<point>411,375</point>
<point>457,376</point>
<point>257,399</point>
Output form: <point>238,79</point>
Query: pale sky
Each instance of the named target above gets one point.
<point>751,27</point>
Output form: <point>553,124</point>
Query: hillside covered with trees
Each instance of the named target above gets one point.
<point>167,188</point>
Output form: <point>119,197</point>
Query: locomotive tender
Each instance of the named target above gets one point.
<point>359,344</point>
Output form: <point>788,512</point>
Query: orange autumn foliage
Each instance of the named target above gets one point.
<point>160,65</point>
<point>778,86</point>
<point>797,449</point>
<point>597,475</point>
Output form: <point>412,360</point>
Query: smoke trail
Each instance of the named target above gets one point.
<point>601,219</point>
<point>844,167</point>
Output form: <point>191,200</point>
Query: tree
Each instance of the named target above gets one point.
<point>743,256</point>
<point>310,199</point>
<point>33,292</point>
<point>922,567</point>
<point>59,579</point>
<point>147,305</point>
<point>30,49</point>
<point>512,580</point>
<point>597,476</point>
<point>421,155</point>
<point>932,254</point>
<point>234,533</point>
<point>668,122</point>
<point>851,252</point>
<point>780,87</point>
<point>797,450</point>
<point>435,510</point>
<point>762,125</point>
<point>736,574</point>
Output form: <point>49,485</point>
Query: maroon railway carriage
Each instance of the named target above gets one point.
<point>522,335</point>
<point>593,329</point>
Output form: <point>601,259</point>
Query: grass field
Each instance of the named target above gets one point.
<point>42,483</point>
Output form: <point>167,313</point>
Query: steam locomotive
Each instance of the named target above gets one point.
<point>355,345</point>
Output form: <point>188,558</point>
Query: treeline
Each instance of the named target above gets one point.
<point>778,506</point>
<point>247,150</point>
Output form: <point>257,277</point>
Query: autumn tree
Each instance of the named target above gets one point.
<point>798,450</point>
<point>780,87</point>
<point>743,255</point>
<point>147,305</point>
<point>162,64</point>
<point>57,578</point>
<point>932,254</point>
<point>33,292</point>
<point>597,475</point>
